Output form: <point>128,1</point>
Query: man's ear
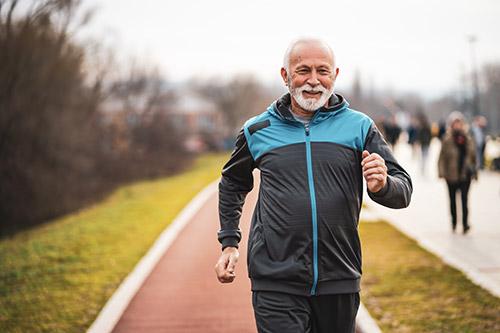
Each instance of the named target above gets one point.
<point>284,75</point>
<point>336,72</point>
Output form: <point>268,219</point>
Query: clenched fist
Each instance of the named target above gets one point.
<point>374,171</point>
<point>226,264</point>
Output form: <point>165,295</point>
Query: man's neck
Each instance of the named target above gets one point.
<point>298,111</point>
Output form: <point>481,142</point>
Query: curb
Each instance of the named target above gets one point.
<point>364,322</point>
<point>119,301</point>
<point>471,273</point>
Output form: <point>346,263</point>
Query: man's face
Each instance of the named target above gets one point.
<point>311,75</point>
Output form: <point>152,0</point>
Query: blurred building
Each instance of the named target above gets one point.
<point>193,117</point>
<point>198,120</point>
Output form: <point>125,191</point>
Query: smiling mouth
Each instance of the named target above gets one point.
<point>313,93</point>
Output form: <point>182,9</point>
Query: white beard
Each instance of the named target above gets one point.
<point>310,104</point>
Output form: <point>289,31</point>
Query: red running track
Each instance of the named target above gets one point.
<point>182,294</point>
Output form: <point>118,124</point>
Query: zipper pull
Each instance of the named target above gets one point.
<point>307,130</point>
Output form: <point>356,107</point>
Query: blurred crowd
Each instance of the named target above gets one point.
<point>461,156</point>
<point>418,131</point>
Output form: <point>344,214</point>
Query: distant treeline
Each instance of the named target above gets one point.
<point>58,150</point>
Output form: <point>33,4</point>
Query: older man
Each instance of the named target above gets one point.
<point>313,151</point>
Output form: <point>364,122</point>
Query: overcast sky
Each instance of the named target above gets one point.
<point>402,45</point>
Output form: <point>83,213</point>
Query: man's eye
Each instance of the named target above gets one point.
<point>324,72</point>
<point>302,71</point>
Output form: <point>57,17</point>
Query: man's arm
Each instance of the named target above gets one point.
<point>397,187</point>
<point>236,182</point>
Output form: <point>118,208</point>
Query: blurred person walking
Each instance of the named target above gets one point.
<point>424,136</point>
<point>413,136</point>
<point>478,131</point>
<point>457,165</point>
<point>392,130</point>
<point>441,129</point>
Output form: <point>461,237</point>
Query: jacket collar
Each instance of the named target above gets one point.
<point>282,106</point>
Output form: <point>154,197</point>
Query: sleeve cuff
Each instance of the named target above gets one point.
<point>383,191</point>
<point>229,242</point>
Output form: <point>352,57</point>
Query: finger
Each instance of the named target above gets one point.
<point>232,264</point>
<point>370,171</point>
<point>223,275</point>
<point>371,157</point>
<point>364,157</point>
<point>221,264</point>
<point>373,177</point>
<point>220,269</point>
<point>373,164</point>
<point>227,277</point>
<point>376,166</point>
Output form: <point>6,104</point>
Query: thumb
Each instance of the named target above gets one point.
<point>365,154</point>
<point>232,263</point>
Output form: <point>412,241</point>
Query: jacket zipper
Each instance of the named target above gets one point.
<point>313,208</point>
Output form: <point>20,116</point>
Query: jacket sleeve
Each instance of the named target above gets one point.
<point>471,149</point>
<point>442,160</point>
<point>236,182</point>
<point>398,190</point>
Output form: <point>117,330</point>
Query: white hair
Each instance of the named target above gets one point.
<point>295,42</point>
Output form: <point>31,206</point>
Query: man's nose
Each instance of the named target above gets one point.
<point>313,79</point>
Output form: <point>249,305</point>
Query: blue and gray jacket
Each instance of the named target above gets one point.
<point>303,237</point>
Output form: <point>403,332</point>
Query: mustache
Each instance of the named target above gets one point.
<point>308,87</point>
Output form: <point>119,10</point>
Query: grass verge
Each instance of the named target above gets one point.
<point>407,289</point>
<point>57,277</point>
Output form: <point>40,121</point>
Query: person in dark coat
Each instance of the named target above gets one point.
<point>413,135</point>
<point>424,136</point>
<point>392,130</point>
<point>457,165</point>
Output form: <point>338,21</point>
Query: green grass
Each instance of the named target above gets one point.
<point>407,289</point>
<point>57,277</point>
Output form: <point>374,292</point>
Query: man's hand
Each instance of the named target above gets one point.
<point>226,264</point>
<point>374,171</point>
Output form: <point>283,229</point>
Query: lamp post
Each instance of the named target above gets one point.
<point>475,84</point>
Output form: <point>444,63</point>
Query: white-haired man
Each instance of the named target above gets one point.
<point>313,151</point>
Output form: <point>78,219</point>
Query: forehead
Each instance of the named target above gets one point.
<point>311,54</point>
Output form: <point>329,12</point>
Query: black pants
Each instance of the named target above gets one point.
<point>453,188</point>
<point>279,312</point>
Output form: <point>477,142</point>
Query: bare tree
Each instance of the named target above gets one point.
<point>55,146</point>
<point>142,122</point>
<point>47,113</point>
<point>491,96</point>
<point>237,99</point>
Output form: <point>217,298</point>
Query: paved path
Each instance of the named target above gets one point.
<point>182,293</point>
<point>428,221</point>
